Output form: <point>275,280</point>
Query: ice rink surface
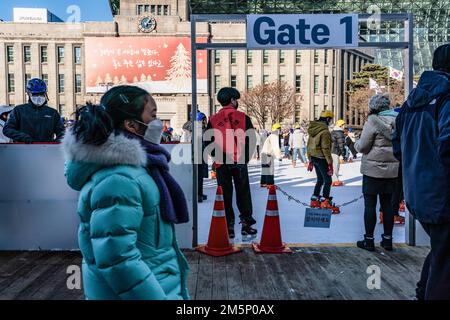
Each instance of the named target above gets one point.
<point>347,227</point>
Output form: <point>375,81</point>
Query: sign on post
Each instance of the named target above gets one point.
<point>302,31</point>
<point>317,218</point>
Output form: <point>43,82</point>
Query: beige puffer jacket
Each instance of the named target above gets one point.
<point>375,144</point>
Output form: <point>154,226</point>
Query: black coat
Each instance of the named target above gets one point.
<point>337,142</point>
<point>29,123</point>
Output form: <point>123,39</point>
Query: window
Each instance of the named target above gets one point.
<point>61,53</point>
<point>233,57</point>
<point>325,107</point>
<point>316,84</point>
<point>166,10</point>
<point>325,85</point>
<point>61,83</point>
<point>249,82</point>
<point>316,111</point>
<point>282,56</point>
<point>298,84</point>
<point>78,83</point>
<point>354,63</point>
<point>153,9</point>
<point>62,109</point>
<point>45,78</point>
<point>233,81</point>
<point>334,57</point>
<point>10,53</point>
<point>217,57</point>
<point>249,56</point>
<point>139,9</point>
<point>333,108</point>
<point>27,54</point>
<point>316,56</point>
<point>265,79</point>
<point>44,54</point>
<point>160,10</point>
<point>217,83</point>
<point>27,78</point>
<point>282,78</point>
<point>326,56</point>
<point>11,83</point>
<point>333,86</point>
<point>77,55</point>
<point>265,56</point>
<point>146,8</point>
<point>298,56</point>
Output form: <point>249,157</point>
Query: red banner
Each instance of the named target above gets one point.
<point>159,64</point>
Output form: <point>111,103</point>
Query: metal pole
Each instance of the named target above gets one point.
<point>194,133</point>
<point>409,76</point>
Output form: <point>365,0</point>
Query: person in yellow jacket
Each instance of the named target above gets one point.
<point>270,150</point>
<point>319,153</point>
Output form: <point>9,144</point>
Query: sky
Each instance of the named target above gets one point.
<point>90,10</point>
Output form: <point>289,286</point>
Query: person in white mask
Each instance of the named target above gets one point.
<point>35,121</point>
<point>129,202</point>
<point>4,113</point>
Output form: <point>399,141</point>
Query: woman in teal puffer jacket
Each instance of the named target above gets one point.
<point>128,202</point>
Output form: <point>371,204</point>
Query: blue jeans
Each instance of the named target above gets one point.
<point>303,153</point>
<point>297,152</point>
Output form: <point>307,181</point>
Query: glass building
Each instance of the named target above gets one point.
<point>431,20</point>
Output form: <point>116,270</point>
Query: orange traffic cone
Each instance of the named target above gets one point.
<point>271,235</point>
<point>218,242</point>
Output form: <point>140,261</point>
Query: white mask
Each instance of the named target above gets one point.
<point>154,131</point>
<point>38,100</point>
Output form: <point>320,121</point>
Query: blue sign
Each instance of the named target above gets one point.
<point>317,218</point>
<point>302,31</point>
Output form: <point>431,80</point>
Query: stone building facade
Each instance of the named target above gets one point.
<point>56,52</point>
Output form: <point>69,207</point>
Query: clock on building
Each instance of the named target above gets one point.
<point>147,24</point>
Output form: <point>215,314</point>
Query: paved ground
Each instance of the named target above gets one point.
<point>347,227</point>
<point>314,272</point>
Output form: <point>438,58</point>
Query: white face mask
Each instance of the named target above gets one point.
<point>154,131</point>
<point>38,100</point>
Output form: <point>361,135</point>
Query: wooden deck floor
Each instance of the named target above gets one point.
<point>310,273</point>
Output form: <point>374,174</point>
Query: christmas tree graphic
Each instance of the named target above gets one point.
<point>179,73</point>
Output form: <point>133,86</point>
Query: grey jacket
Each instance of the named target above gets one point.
<point>375,144</point>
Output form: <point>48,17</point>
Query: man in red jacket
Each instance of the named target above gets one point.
<point>234,139</point>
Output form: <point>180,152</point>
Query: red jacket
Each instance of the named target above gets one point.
<point>230,127</point>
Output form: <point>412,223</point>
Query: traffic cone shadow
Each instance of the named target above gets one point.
<point>218,242</point>
<point>271,235</point>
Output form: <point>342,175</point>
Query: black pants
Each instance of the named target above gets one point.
<point>228,174</point>
<point>434,281</point>
<point>370,213</point>
<point>397,196</point>
<point>323,179</point>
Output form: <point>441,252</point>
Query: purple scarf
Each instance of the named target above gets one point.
<point>173,204</point>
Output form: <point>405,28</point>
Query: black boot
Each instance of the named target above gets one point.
<point>231,234</point>
<point>366,244</point>
<point>247,230</point>
<point>386,242</point>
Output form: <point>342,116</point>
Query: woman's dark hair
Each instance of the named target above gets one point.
<point>94,124</point>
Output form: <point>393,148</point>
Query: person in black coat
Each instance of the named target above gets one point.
<point>35,121</point>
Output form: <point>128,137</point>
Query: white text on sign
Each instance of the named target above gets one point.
<point>302,31</point>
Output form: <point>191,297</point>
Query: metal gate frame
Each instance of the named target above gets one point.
<point>407,46</point>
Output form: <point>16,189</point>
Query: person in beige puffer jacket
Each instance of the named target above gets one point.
<point>379,168</point>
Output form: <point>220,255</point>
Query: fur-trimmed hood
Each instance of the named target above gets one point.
<point>83,160</point>
<point>117,150</point>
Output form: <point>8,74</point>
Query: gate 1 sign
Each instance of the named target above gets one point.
<point>302,31</point>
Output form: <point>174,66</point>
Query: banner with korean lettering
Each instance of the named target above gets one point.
<point>159,64</point>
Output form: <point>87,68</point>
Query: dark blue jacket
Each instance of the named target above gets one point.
<point>29,123</point>
<point>421,142</point>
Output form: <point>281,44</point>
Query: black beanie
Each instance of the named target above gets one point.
<point>441,58</point>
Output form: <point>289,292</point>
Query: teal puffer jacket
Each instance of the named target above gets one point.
<point>128,251</point>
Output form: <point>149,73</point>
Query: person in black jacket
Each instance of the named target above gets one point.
<point>35,121</point>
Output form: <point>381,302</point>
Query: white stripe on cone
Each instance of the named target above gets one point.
<point>272,197</point>
<point>272,213</point>
<point>219,197</point>
<point>217,213</point>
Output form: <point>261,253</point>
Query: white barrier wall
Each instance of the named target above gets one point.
<point>38,208</point>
